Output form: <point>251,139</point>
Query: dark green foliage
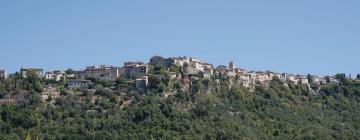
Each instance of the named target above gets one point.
<point>157,84</point>
<point>69,71</point>
<point>342,79</point>
<point>121,80</point>
<point>208,110</point>
<point>159,70</point>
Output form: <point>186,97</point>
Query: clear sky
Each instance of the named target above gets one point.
<point>297,36</point>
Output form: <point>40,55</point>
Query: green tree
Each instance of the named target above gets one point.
<point>69,71</point>
<point>310,78</point>
<point>341,77</point>
<point>156,84</point>
<point>121,80</point>
<point>34,83</point>
<point>159,70</point>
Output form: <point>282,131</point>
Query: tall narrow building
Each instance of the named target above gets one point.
<point>231,66</point>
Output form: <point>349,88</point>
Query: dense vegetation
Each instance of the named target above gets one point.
<point>208,110</point>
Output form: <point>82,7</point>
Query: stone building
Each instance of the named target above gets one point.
<point>135,68</point>
<point>142,83</point>
<point>25,72</point>
<point>76,83</point>
<point>56,75</point>
<point>103,72</point>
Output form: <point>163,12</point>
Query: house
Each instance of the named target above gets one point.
<point>244,80</point>
<point>262,77</point>
<point>3,74</point>
<point>240,72</point>
<point>208,72</point>
<point>322,81</point>
<point>302,79</point>
<point>25,72</point>
<point>230,73</point>
<point>271,75</point>
<point>315,79</point>
<point>180,61</point>
<point>333,80</point>
<point>291,78</point>
<point>197,64</point>
<point>103,72</point>
<point>283,77</point>
<point>224,71</point>
<point>135,68</point>
<point>56,75</point>
<point>76,83</point>
<point>142,83</point>
<point>50,93</point>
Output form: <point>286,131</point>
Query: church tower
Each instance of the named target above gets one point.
<point>231,66</point>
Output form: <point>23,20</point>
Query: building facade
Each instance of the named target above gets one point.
<point>25,72</point>
<point>76,83</point>
<point>56,75</point>
<point>142,83</point>
<point>103,72</point>
<point>135,68</point>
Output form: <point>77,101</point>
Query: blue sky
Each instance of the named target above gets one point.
<point>299,36</point>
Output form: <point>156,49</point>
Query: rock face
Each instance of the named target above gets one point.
<point>159,60</point>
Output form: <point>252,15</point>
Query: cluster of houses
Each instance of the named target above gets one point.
<point>190,65</point>
<point>250,78</point>
<point>192,68</point>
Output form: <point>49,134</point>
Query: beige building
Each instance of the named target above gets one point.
<point>302,79</point>
<point>181,61</point>
<point>142,83</point>
<point>291,78</point>
<point>244,80</point>
<point>25,72</point>
<point>103,72</point>
<point>56,75</point>
<point>75,83</point>
<point>208,72</point>
<point>135,68</point>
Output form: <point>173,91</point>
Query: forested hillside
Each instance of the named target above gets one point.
<point>207,110</point>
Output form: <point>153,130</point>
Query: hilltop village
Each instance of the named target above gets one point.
<point>176,98</point>
<point>175,73</point>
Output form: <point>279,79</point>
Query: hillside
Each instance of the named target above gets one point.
<point>209,109</point>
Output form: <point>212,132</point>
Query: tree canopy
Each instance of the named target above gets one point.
<point>208,110</point>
